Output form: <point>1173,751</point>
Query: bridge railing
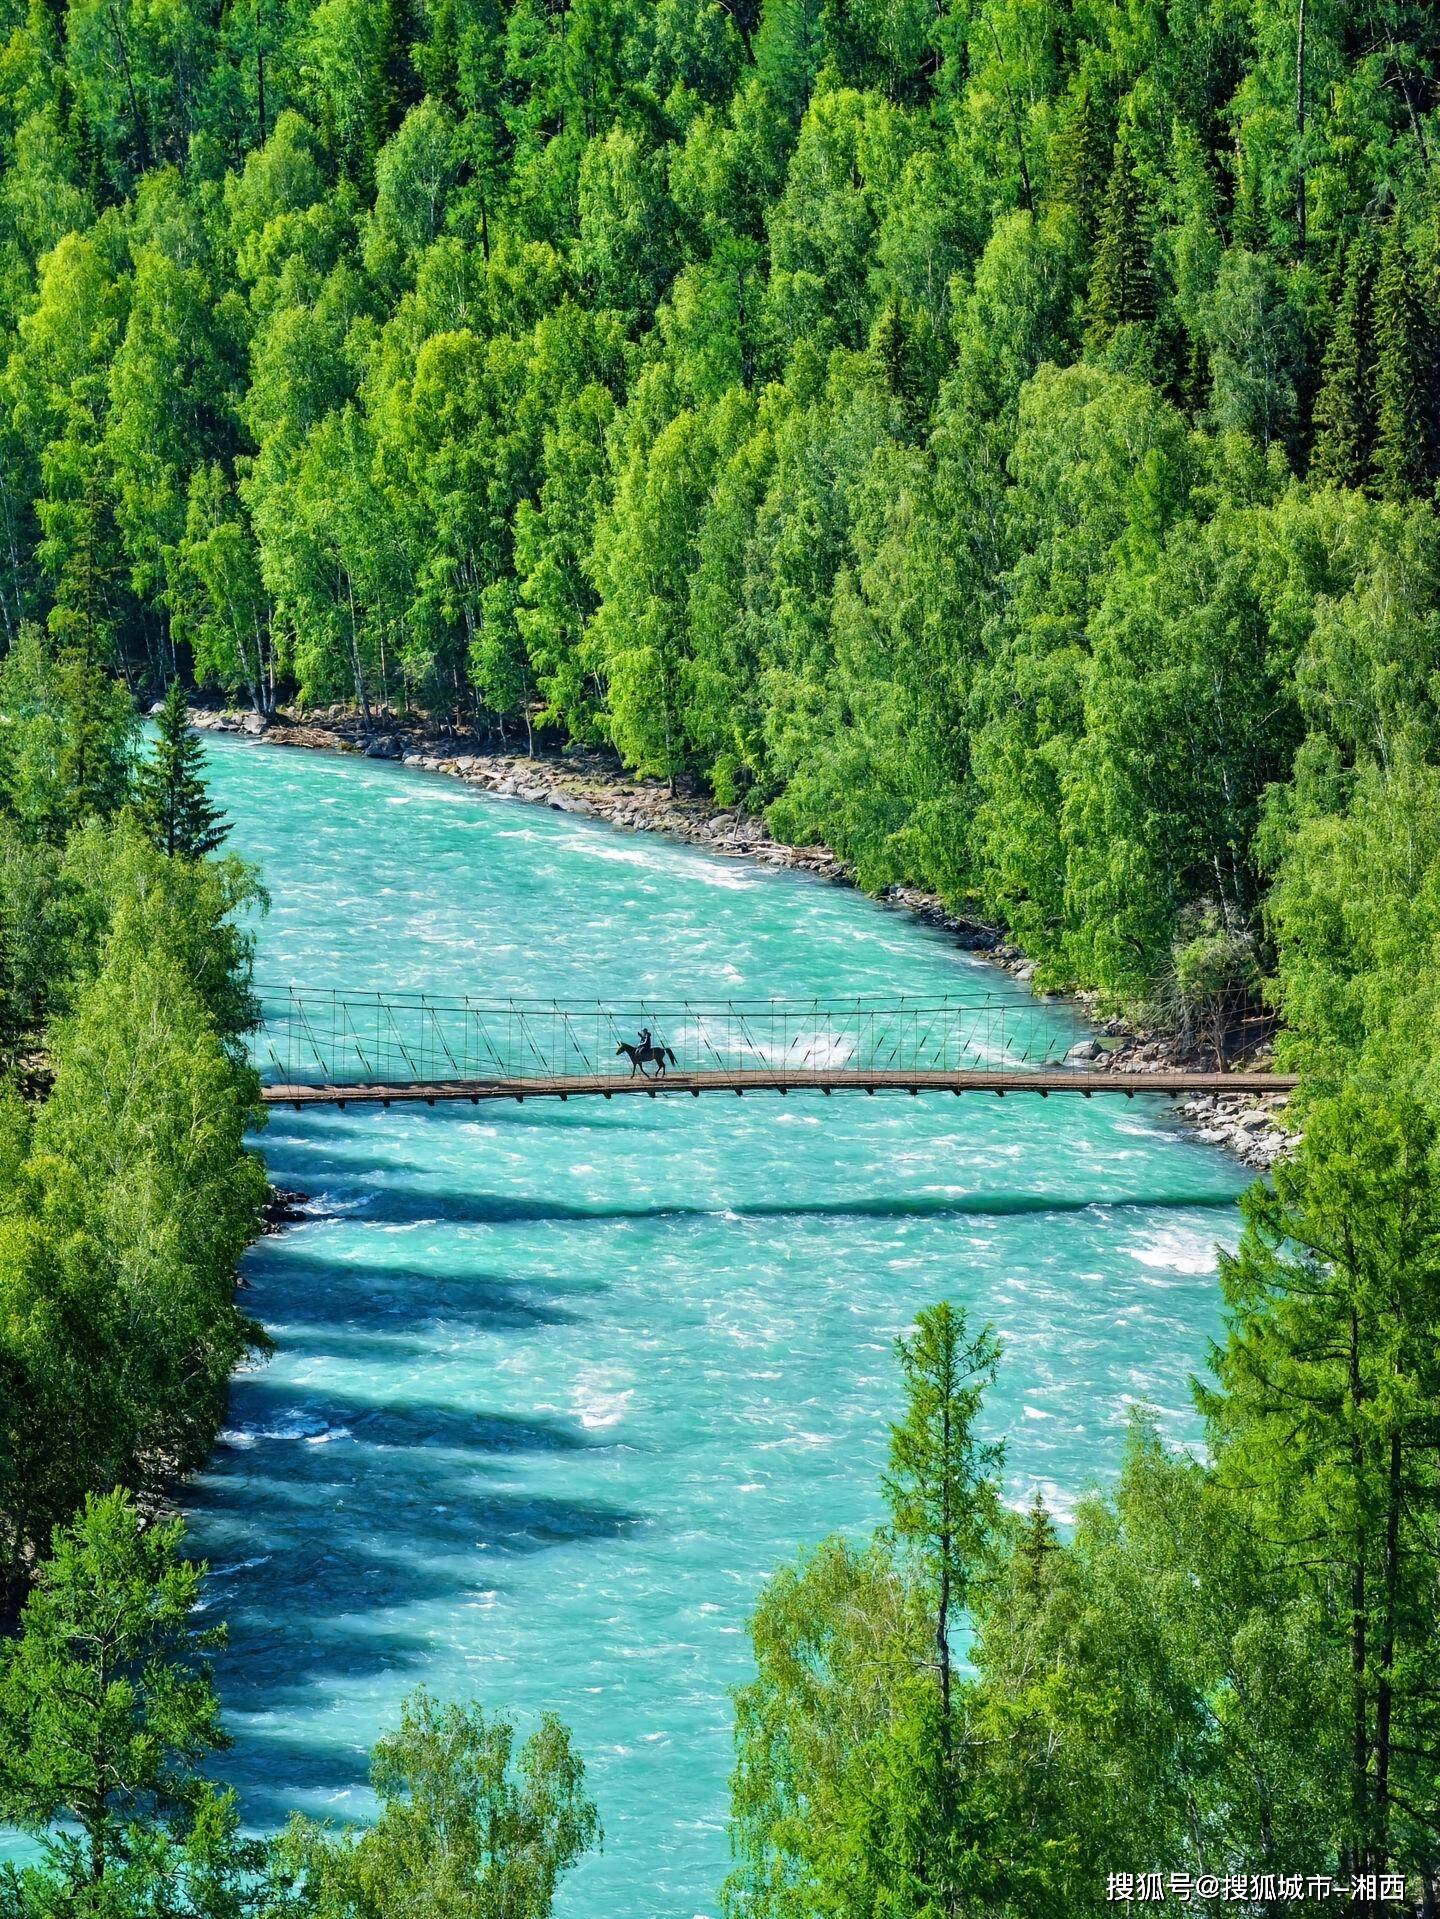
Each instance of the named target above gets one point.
<point>316,1037</point>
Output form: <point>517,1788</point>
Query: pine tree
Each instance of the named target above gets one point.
<point>1401,461</point>
<point>396,88</point>
<point>1324,1436</point>
<point>1345,410</point>
<point>1037,1541</point>
<point>95,738</point>
<point>171,797</point>
<point>94,712</point>
<point>1078,168</point>
<point>942,1486</point>
<point>1248,227</point>
<point>1122,283</point>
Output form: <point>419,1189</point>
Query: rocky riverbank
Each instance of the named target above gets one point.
<point>592,784</point>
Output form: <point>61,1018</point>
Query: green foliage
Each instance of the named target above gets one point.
<point>108,1713</point>
<point>1345,408</point>
<point>942,1486</point>
<point>106,1709</point>
<point>1224,1666</point>
<point>1324,1416</point>
<point>996,440</point>
<point>468,1827</point>
<point>702,379</point>
<point>1404,400</point>
<point>855,1788</point>
<point>1122,282</point>
<point>66,749</point>
<point>128,1196</point>
<point>170,795</point>
<point>1216,976</point>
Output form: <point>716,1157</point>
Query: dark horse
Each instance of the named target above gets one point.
<point>640,1055</point>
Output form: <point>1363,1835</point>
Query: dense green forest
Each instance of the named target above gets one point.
<point>998,437</point>
<point>126,1191</point>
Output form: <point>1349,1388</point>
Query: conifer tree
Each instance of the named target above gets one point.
<point>1324,1431</point>
<point>95,739</point>
<point>1345,409</point>
<point>93,712</point>
<point>943,1482</point>
<point>1247,222</point>
<point>1122,283</point>
<point>396,80</point>
<point>1401,453</point>
<point>170,791</point>
<point>1078,178</point>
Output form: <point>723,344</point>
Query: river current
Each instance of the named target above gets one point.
<point>556,1386</point>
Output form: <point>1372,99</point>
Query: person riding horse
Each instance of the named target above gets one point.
<point>646,1050</point>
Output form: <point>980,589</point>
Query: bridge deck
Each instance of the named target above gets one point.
<point>814,1080</point>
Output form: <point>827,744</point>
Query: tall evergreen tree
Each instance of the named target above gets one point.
<point>943,1483</point>
<point>1345,409</point>
<point>1324,1432</point>
<point>95,737</point>
<point>93,711</point>
<point>1122,281</point>
<point>1078,163</point>
<point>1402,376</point>
<point>170,789</point>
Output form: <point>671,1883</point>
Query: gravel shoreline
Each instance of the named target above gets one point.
<point>588,783</point>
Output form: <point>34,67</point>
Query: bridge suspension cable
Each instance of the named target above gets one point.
<point>322,1045</point>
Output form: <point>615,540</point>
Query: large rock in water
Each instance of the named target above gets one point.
<point>1087,1049</point>
<point>382,747</point>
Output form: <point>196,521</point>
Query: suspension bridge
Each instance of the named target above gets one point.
<point>341,1049</point>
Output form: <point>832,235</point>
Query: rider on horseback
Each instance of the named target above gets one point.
<point>645,1052</point>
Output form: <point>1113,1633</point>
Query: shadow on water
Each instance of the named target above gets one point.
<point>301,1159</point>
<point>269,1410</point>
<point>272,1773</point>
<point>290,1128</point>
<point>342,1297</point>
<point>370,1511</point>
<point>413,1206</point>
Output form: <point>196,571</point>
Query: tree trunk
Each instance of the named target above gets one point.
<point>142,139</point>
<point>355,665</point>
<point>1359,1740</point>
<point>1385,1685</point>
<point>942,1622</point>
<point>1300,209</point>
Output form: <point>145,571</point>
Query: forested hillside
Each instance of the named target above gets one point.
<point>999,437</point>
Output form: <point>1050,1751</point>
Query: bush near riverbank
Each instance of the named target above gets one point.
<point>126,1191</point>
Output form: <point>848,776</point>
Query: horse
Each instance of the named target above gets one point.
<point>639,1055</point>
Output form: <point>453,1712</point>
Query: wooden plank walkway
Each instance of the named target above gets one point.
<point>1043,1081</point>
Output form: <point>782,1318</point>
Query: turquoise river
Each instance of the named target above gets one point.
<point>556,1386</point>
